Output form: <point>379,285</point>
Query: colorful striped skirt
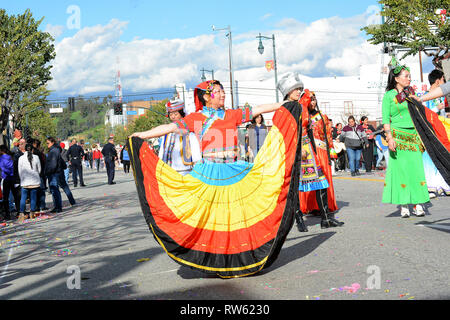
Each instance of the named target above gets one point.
<point>228,219</point>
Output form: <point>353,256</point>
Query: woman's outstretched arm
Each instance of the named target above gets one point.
<point>438,92</point>
<point>156,132</point>
<point>265,108</point>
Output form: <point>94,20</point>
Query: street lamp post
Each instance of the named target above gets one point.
<point>261,51</point>
<point>203,74</point>
<point>175,95</point>
<point>230,60</point>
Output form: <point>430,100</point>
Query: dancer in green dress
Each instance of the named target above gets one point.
<point>405,181</point>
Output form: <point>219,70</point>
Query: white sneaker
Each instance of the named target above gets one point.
<point>405,212</point>
<point>418,210</point>
<point>432,195</point>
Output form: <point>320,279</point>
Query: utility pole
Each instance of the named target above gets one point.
<point>230,60</point>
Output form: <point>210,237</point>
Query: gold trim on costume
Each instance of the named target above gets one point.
<point>408,141</point>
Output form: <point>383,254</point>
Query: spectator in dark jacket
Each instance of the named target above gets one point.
<point>52,171</point>
<point>65,156</point>
<point>110,155</point>
<point>61,178</point>
<point>76,155</point>
<point>7,168</point>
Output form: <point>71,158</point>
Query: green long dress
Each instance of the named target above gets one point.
<point>405,181</point>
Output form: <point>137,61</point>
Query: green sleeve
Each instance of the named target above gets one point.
<point>386,108</point>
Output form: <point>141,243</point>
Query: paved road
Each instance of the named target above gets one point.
<point>106,237</point>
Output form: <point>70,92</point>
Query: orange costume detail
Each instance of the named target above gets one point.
<point>308,200</point>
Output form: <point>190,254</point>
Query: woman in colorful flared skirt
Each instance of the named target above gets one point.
<point>226,217</point>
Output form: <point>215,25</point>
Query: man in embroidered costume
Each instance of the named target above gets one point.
<point>409,134</point>
<point>312,177</point>
<point>214,219</point>
<point>323,200</point>
<point>180,151</point>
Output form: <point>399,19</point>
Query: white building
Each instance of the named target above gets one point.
<point>338,97</point>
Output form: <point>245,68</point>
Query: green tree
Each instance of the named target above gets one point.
<point>151,119</point>
<point>41,125</point>
<point>414,25</point>
<point>25,53</point>
<point>120,135</point>
<point>88,119</point>
<point>66,125</point>
<point>26,104</point>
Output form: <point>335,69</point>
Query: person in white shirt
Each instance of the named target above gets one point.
<point>180,152</point>
<point>29,168</point>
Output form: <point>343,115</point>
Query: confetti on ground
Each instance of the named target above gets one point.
<point>143,259</point>
<point>63,252</point>
<point>353,289</point>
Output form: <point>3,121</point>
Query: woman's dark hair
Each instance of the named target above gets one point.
<point>363,118</point>
<point>338,124</point>
<point>350,118</point>
<point>4,149</point>
<point>29,148</point>
<point>200,93</point>
<point>52,140</point>
<point>254,119</point>
<point>181,112</point>
<point>392,83</point>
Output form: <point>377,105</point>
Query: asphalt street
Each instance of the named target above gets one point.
<point>106,243</point>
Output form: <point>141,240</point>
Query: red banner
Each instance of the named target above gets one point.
<point>270,65</point>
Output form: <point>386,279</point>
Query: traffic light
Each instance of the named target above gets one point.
<point>118,109</point>
<point>71,103</point>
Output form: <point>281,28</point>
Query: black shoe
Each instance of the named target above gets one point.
<point>112,183</point>
<point>332,218</point>
<point>357,173</point>
<point>74,185</point>
<point>330,223</point>
<point>301,226</point>
<point>83,185</point>
<point>353,174</point>
<point>54,210</point>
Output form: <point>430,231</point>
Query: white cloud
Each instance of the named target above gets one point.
<point>55,31</point>
<point>86,62</point>
<point>266,16</point>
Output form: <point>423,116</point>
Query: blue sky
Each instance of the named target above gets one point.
<point>162,43</point>
<point>184,19</point>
